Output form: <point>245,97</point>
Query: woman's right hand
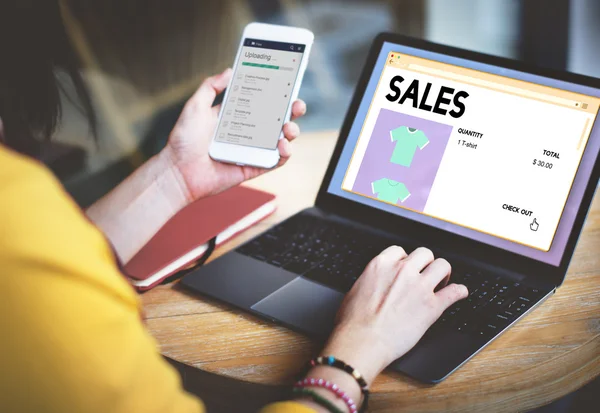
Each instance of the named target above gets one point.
<point>390,307</point>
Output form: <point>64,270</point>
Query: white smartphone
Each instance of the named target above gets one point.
<point>267,74</point>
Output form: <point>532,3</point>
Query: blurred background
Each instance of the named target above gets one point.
<point>143,58</point>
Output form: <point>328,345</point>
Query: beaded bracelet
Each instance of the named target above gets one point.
<point>339,364</point>
<point>317,398</point>
<point>332,387</point>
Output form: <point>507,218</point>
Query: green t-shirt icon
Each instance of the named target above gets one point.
<point>407,140</point>
<point>390,191</point>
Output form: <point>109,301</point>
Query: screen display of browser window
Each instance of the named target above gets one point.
<point>474,152</point>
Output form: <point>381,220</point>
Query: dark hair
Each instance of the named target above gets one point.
<point>34,46</point>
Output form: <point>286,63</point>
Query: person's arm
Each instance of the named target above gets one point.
<point>137,208</point>
<point>384,315</point>
<point>182,172</point>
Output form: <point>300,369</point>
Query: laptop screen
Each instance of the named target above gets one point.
<point>496,155</point>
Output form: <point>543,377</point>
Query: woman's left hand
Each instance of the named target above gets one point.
<point>187,148</point>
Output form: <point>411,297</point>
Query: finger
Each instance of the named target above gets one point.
<point>211,87</point>
<point>291,131</point>
<point>386,264</point>
<point>395,252</point>
<point>442,283</point>
<point>437,272</point>
<point>451,294</point>
<point>285,149</point>
<point>420,258</point>
<point>298,109</point>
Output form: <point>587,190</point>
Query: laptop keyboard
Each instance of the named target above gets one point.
<point>320,250</point>
<point>493,303</point>
<point>336,255</point>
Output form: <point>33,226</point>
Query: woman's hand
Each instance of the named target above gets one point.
<point>181,173</point>
<point>390,307</point>
<point>384,315</point>
<point>187,148</point>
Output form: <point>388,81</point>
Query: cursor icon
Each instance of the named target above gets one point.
<point>534,225</point>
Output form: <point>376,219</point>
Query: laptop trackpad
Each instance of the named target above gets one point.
<point>304,305</point>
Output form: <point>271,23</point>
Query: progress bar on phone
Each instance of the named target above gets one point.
<point>260,65</point>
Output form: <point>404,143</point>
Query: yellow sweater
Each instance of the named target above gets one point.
<point>71,336</point>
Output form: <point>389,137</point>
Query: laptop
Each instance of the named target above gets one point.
<point>489,162</point>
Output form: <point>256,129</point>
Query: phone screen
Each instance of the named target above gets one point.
<point>260,93</point>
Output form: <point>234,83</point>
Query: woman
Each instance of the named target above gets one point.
<point>71,332</point>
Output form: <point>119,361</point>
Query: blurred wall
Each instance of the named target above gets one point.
<point>489,26</point>
<point>584,37</point>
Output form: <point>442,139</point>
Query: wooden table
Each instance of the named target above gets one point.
<point>549,354</point>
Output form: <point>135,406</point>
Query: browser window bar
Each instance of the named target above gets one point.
<point>495,86</point>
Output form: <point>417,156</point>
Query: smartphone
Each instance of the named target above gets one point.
<point>267,74</point>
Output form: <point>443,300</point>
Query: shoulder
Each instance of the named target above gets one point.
<point>24,180</point>
<point>28,192</point>
<point>17,168</point>
<point>41,223</point>
<point>33,199</point>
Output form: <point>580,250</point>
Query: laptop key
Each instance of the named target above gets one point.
<point>534,292</point>
<point>467,325</point>
<point>444,322</point>
<point>319,275</point>
<point>300,266</point>
<point>509,314</point>
<point>453,311</point>
<point>499,303</point>
<point>488,330</point>
<point>276,262</point>
<point>259,257</point>
<point>521,308</point>
<point>502,320</point>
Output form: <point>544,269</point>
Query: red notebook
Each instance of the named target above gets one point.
<point>184,239</point>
